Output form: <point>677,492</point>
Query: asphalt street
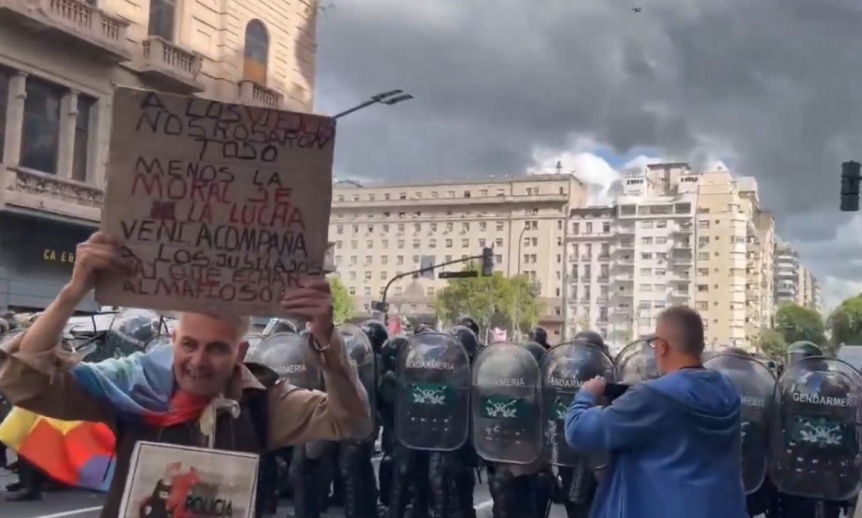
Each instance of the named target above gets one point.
<point>79,504</point>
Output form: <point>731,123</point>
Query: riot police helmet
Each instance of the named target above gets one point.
<point>377,333</point>
<point>470,323</point>
<point>592,338</point>
<point>467,337</point>
<point>389,352</point>
<point>423,328</point>
<point>802,349</point>
<point>537,349</point>
<point>539,335</point>
<point>280,325</point>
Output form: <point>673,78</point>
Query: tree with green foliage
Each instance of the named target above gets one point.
<point>342,301</point>
<point>798,323</point>
<point>846,322</point>
<point>771,343</point>
<point>496,301</point>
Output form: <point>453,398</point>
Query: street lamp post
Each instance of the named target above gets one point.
<point>387,98</point>
<point>516,328</point>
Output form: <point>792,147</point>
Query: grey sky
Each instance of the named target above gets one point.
<point>769,86</point>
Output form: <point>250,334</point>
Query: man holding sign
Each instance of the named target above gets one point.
<point>196,393</point>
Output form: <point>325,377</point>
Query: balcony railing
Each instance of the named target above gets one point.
<point>253,93</point>
<point>171,65</point>
<point>74,21</point>
<point>43,192</point>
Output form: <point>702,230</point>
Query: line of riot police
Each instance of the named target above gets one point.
<point>446,405</point>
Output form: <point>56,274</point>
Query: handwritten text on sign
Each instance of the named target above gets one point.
<point>219,206</point>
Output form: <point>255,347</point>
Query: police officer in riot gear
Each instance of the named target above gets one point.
<point>432,416</point>
<point>470,323</point>
<point>463,461</point>
<point>354,455</point>
<point>387,390</point>
<point>564,369</point>
<point>539,335</point>
<point>814,435</point>
<point>290,357</point>
<point>756,385</point>
<point>506,433</point>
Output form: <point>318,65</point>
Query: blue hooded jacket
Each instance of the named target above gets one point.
<point>674,444</point>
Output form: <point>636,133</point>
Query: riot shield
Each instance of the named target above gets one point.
<point>129,332</point>
<point>158,342</point>
<point>755,384</point>
<point>361,355</point>
<point>564,369</point>
<point>432,407</point>
<point>506,404</point>
<point>253,340</point>
<point>814,430</point>
<point>279,325</point>
<point>291,356</point>
<point>636,363</point>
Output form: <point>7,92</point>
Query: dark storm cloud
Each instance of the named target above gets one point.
<point>772,82</point>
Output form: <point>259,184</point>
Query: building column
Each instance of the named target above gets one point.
<point>15,119</point>
<point>100,132</point>
<point>68,119</point>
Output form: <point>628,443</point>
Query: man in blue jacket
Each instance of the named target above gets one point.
<point>674,441</point>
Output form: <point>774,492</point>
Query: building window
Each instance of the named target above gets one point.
<point>4,99</point>
<point>41,136</point>
<point>162,16</point>
<point>256,52</point>
<point>82,138</point>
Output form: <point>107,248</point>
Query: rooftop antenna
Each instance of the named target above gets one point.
<point>559,167</point>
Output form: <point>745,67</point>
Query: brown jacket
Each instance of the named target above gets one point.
<point>42,384</point>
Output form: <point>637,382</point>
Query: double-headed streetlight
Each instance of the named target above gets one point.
<point>387,98</point>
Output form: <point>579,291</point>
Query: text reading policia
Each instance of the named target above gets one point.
<point>210,241</point>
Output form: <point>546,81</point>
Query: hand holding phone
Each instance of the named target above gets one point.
<point>614,390</point>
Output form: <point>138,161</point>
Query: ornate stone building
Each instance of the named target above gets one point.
<point>59,62</point>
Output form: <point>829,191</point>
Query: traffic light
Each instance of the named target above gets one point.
<point>850,179</point>
<point>487,262</point>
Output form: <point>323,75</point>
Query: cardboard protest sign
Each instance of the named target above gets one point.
<point>170,480</point>
<point>219,207</point>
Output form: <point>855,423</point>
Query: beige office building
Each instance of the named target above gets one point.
<point>673,237</point>
<point>60,60</point>
<point>808,293</point>
<point>382,231</point>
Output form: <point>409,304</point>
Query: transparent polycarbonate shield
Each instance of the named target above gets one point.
<point>361,355</point>
<point>563,370</point>
<point>129,332</point>
<point>159,342</point>
<point>432,407</point>
<point>755,384</point>
<point>279,325</point>
<point>291,357</point>
<point>636,363</point>
<point>506,404</point>
<point>253,340</point>
<point>814,430</point>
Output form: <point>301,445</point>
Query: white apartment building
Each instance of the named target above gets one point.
<point>381,231</point>
<point>786,273</point>
<point>673,237</point>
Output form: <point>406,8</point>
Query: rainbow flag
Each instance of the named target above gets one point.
<point>75,453</point>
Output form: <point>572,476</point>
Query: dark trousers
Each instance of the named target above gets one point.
<point>31,478</point>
